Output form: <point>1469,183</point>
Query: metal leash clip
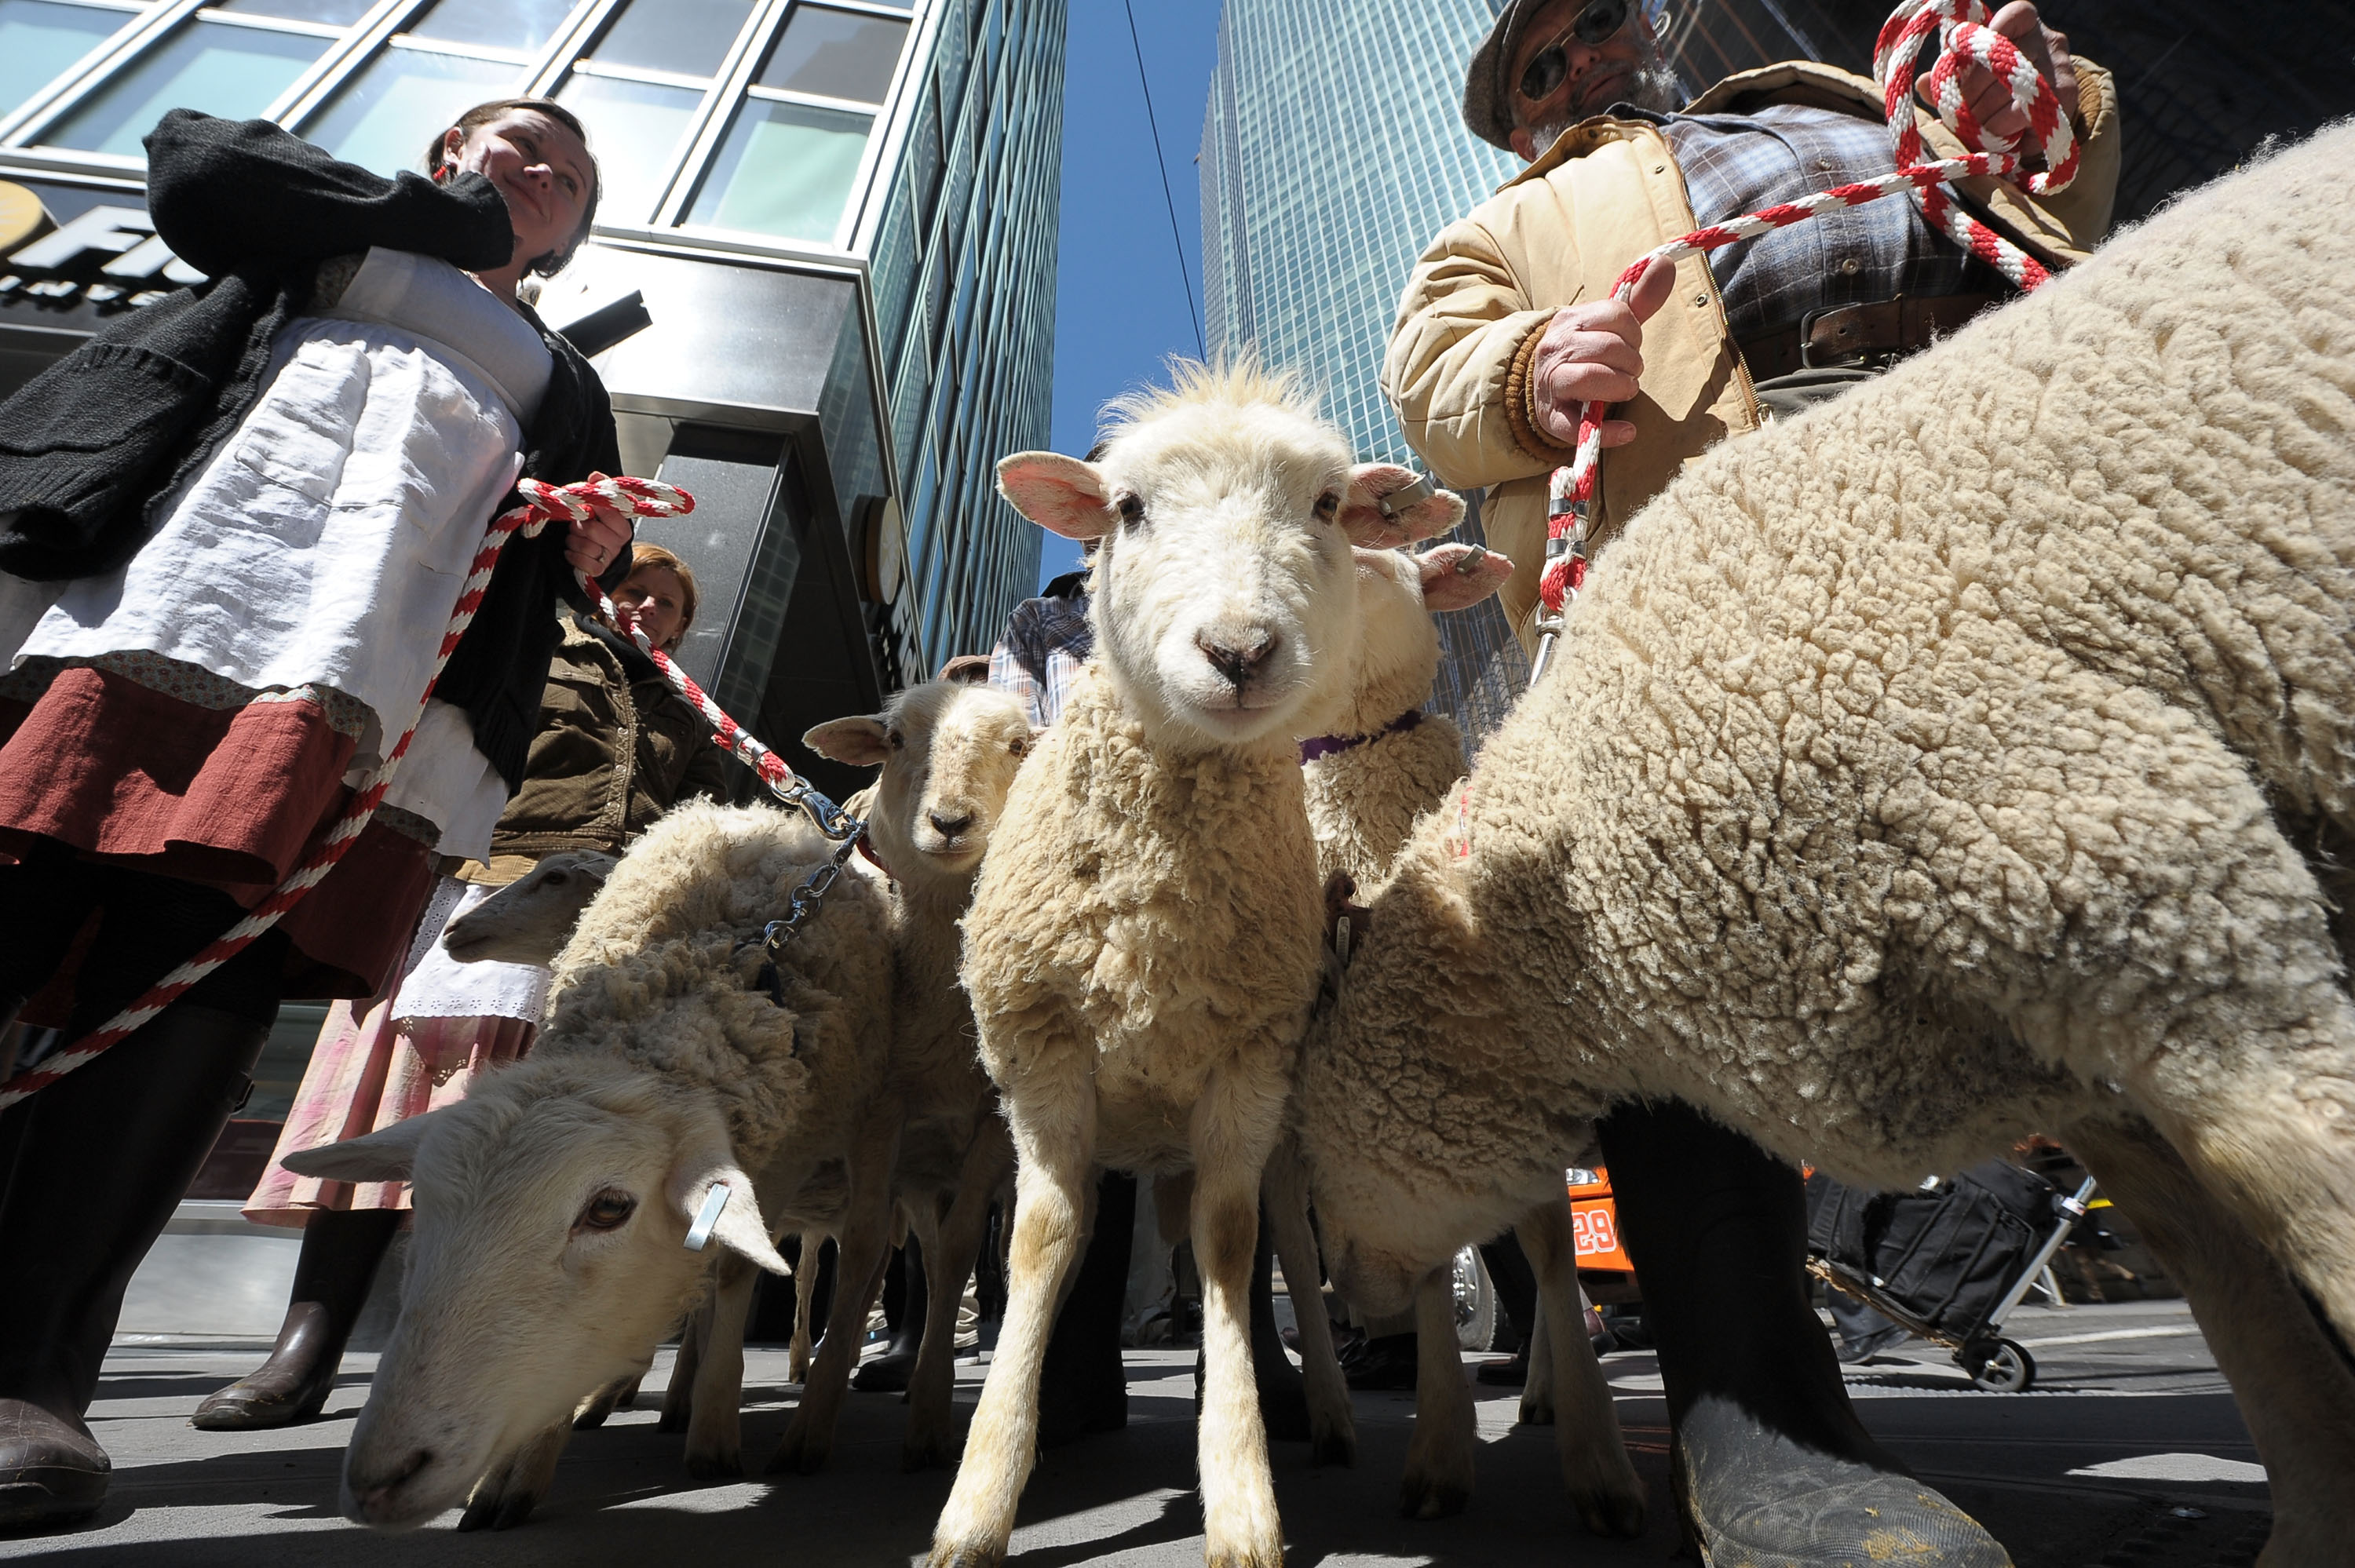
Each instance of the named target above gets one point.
<point>829,819</point>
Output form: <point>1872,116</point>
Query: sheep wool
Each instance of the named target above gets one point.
<point>1929,770</point>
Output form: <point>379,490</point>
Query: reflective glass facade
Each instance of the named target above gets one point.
<point>1315,201</point>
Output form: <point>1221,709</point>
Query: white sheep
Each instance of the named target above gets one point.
<point>552,1203</point>
<point>1143,941</point>
<point>1387,764</point>
<point>530,920</point>
<point>1932,769</point>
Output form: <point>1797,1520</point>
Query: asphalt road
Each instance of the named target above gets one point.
<point>2128,1454</point>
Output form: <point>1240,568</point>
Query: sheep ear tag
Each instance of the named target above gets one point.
<point>1388,506</point>
<point>1457,576</point>
<point>719,1206</point>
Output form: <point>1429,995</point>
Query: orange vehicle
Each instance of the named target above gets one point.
<point>1602,1267</point>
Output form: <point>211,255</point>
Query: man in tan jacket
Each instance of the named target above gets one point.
<point>1507,326</point>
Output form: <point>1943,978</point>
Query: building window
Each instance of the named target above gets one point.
<point>796,144</point>
<point>217,61</point>
<point>39,38</point>
<point>639,87</point>
<point>382,118</point>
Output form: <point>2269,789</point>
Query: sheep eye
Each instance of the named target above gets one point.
<point>1019,747</point>
<point>1328,505</point>
<point>608,1211</point>
<point>1132,510</point>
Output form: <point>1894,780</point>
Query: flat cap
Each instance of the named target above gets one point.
<point>1488,100</point>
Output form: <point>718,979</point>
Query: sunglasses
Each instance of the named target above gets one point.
<point>1549,68</point>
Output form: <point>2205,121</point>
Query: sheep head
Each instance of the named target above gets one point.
<point>949,752</point>
<point>528,921</point>
<point>1223,591</point>
<point>1396,655</point>
<point>547,1259</point>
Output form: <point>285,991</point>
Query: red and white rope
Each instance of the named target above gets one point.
<point>544,503</point>
<point>1965,39</point>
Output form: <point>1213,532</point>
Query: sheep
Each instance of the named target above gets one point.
<point>1142,944</point>
<point>551,1203</point>
<point>1387,765</point>
<point>527,921</point>
<point>1936,768</point>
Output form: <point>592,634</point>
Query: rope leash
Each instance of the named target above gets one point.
<point>1965,39</point>
<point>543,504</point>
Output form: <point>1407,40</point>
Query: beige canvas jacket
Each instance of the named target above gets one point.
<point>1561,231</point>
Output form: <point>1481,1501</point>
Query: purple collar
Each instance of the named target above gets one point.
<point>1326,746</point>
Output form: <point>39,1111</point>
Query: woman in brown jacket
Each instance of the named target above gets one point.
<point>616,748</point>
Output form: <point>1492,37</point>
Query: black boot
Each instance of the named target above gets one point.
<point>341,1249</point>
<point>145,1114</point>
<point>1082,1386</point>
<point>888,1373</point>
<point>1773,1467</point>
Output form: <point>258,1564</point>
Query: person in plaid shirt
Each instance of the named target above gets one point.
<point>1047,640</point>
<point>1508,325</point>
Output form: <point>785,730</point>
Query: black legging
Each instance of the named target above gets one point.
<point>148,926</point>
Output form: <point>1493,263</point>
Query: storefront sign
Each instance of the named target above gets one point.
<point>110,257</point>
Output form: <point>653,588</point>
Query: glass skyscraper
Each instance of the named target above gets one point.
<point>1332,152</point>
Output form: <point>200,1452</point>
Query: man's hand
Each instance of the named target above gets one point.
<point>1593,353</point>
<point>597,540</point>
<point>1989,98</point>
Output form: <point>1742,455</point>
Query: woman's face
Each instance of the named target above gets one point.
<point>659,601</point>
<point>543,170</point>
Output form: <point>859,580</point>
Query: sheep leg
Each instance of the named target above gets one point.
<point>715,1440</point>
<point>1054,1128</point>
<point>1235,1129</point>
<point>1332,1425</point>
<point>1537,1389</point>
<point>508,1491</point>
<point>798,1359</point>
<point>1594,1464</point>
<point>864,1247</point>
<point>1438,1478</point>
<point>2296,1390</point>
<point>678,1395</point>
<point>946,1268</point>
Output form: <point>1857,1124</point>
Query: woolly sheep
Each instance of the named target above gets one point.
<point>1142,944</point>
<point>528,921</point>
<point>1930,770</point>
<point>1387,765</point>
<point>552,1202</point>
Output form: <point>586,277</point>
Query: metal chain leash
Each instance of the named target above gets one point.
<point>1965,39</point>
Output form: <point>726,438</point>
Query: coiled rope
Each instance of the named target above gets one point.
<point>543,504</point>
<point>1965,39</point>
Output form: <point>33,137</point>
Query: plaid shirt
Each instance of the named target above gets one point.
<point>1047,640</point>
<point>1736,164</point>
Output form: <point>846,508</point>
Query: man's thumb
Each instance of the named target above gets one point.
<point>1652,289</point>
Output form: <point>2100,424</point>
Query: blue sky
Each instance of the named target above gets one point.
<point>1120,307</point>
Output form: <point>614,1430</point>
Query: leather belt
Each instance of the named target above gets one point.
<point>1876,333</point>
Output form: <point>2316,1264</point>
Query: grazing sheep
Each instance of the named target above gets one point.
<point>1934,768</point>
<point>530,920</point>
<point>1142,945</point>
<point>551,1203</point>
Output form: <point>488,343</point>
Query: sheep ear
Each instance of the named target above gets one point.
<point>1061,494</point>
<point>863,741</point>
<point>1389,505</point>
<point>388,1155</point>
<point>739,1226</point>
<point>1457,576</point>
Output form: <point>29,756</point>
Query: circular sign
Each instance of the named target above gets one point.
<point>23,218</point>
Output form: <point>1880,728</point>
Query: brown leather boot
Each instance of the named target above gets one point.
<point>341,1249</point>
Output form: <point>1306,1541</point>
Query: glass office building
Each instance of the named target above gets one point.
<point>820,288</point>
<point>1332,152</point>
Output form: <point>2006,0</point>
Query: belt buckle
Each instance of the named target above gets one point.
<point>1807,360</point>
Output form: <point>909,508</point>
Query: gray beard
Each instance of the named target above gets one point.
<point>1654,87</point>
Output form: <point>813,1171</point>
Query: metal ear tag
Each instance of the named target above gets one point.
<point>700,1234</point>
<point>1405,496</point>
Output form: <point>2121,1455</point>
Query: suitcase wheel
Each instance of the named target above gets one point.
<point>2003,1367</point>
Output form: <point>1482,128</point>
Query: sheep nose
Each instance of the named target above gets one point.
<point>949,827</point>
<point>1237,664</point>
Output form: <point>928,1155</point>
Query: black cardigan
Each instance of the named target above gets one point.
<point>90,448</point>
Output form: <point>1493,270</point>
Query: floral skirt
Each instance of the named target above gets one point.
<point>368,1070</point>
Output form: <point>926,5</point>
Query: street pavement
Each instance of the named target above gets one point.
<point>2128,1454</point>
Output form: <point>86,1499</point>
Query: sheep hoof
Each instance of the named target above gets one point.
<point>1421,1498</point>
<point>927,1454</point>
<point>971,1554</point>
<point>715,1466</point>
<point>498,1512</point>
<point>1613,1514</point>
<point>799,1455</point>
<point>1270,1556</point>
<point>1535,1412</point>
<point>1335,1446</point>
